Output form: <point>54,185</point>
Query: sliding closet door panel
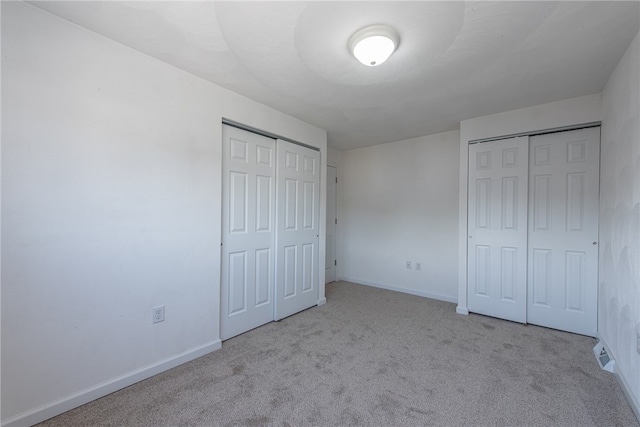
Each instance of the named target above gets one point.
<point>297,228</point>
<point>497,244</point>
<point>563,230</point>
<point>247,231</point>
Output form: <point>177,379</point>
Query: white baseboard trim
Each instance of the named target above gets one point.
<point>624,384</point>
<point>462,310</point>
<point>403,290</point>
<point>322,301</point>
<point>87,395</point>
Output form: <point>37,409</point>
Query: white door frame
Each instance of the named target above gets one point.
<point>564,115</point>
<point>319,295</point>
<point>332,224</point>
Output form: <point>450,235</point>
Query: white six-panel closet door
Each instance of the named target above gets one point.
<point>563,230</point>
<point>297,228</point>
<point>497,241</point>
<point>248,211</point>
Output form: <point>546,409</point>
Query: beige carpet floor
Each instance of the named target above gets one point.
<point>373,357</point>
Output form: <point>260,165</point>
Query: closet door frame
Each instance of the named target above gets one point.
<point>319,147</point>
<point>563,115</point>
<point>331,258</point>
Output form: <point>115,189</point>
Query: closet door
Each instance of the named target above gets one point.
<point>563,230</point>
<point>297,229</point>
<point>248,254</point>
<point>497,241</point>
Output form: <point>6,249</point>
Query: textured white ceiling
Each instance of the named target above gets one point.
<point>456,60</point>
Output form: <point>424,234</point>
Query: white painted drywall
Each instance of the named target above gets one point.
<point>399,203</point>
<point>619,292</point>
<point>569,112</point>
<point>333,157</point>
<point>111,203</point>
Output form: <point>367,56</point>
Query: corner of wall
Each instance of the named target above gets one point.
<point>619,264</point>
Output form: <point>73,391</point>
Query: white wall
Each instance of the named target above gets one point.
<point>619,293</point>
<point>399,203</point>
<point>111,199</point>
<point>334,157</point>
<point>569,112</point>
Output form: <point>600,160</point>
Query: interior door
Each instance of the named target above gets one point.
<point>248,254</point>
<point>497,241</point>
<point>563,230</point>
<point>297,234</point>
<point>332,221</point>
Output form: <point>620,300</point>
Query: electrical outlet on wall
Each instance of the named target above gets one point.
<point>418,266</point>
<point>157,314</point>
<point>408,265</point>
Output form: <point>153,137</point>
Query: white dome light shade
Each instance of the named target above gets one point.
<point>373,45</point>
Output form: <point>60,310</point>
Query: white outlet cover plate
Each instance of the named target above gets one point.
<point>157,314</point>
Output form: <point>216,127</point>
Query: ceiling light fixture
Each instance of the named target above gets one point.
<point>373,45</point>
